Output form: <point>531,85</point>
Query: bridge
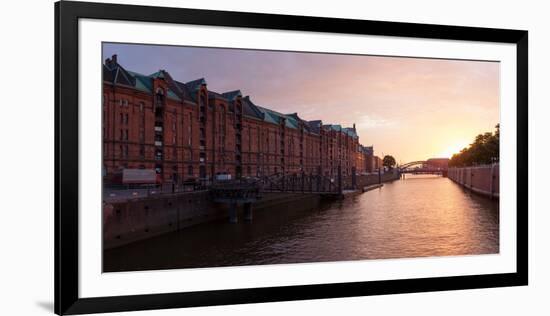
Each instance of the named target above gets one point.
<point>247,191</point>
<point>437,166</point>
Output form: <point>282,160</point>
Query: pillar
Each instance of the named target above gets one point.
<point>248,212</point>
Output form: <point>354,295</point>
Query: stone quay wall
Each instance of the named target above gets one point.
<point>370,179</point>
<point>480,179</point>
<point>132,220</point>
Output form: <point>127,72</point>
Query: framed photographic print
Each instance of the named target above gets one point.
<point>209,157</point>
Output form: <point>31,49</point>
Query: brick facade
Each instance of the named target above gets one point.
<point>186,131</point>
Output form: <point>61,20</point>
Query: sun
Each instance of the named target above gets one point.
<point>455,148</point>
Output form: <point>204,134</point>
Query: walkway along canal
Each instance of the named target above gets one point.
<point>415,217</point>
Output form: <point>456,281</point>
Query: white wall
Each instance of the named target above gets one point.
<point>26,120</point>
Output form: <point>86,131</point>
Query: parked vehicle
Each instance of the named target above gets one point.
<point>223,176</point>
<point>138,176</point>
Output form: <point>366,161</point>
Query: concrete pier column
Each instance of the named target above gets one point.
<point>233,213</point>
<point>248,212</point>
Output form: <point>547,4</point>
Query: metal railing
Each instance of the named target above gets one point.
<point>126,192</point>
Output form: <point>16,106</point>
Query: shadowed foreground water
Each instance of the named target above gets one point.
<point>416,217</point>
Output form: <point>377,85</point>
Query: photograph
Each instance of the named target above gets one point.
<point>221,157</point>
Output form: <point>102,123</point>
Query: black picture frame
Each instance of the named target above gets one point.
<point>67,15</point>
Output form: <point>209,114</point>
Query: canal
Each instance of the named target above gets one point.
<point>416,217</point>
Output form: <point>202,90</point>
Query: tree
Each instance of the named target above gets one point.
<point>484,150</point>
<point>388,161</point>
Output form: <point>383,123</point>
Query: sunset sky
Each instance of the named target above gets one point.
<point>411,108</point>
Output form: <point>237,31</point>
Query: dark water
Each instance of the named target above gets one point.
<point>417,217</point>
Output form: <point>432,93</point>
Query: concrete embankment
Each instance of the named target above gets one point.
<point>131,220</point>
<point>372,187</point>
<point>137,219</point>
<point>483,180</point>
<point>371,179</point>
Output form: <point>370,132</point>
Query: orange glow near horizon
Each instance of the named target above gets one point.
<point>453,149</point>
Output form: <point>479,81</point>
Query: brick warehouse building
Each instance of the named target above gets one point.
<point>184,131</point>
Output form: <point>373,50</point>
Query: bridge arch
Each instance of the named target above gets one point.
<point>412,163</point>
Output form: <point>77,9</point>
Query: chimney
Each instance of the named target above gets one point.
<point>354,127</point>
<point>111,62</point>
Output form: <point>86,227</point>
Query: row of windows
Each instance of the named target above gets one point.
<point>124,118</point>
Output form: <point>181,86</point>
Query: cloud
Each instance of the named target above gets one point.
<point>367,122</point>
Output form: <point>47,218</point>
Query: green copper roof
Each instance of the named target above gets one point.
<point>173,96</point>
<point>268,116</point>
<point>158,74</point>
<point>117,75</point>
<point>275,118</point>
<point>195,84</point>
<point>232,95</point>
<point>350,132</point>
<point>143,83</point>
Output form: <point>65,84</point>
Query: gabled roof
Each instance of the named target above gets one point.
<point>107,74</point>
<point>212,94</point>
<point>232,95</point>
<point>143,83</point>
<point>250,109</point>
<point>184,91</point>
<point>350,132</point>
<point>173,91</point>
<point>369,150</point>
<point>315,126</point>
<point>194,85</point>
<point>115,74</point>
<point>299,121</point>
<point>158,74</point>
<point>123,77</point>
<point>276,117</point>
<point>268,115</point>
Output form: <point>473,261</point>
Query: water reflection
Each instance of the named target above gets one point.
<point>416,217</point>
